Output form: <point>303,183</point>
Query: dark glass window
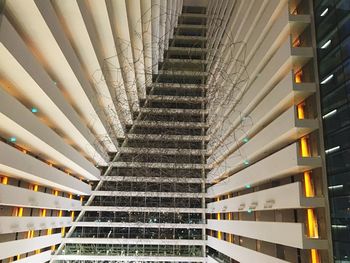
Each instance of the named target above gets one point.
<point>332,23</point>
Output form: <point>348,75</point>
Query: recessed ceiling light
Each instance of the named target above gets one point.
<point>325,45</point>
<point>329,114</point>
<point>34,110</point>
<point>327,79</point>
<point>324,12</point>
<point>333,149</point>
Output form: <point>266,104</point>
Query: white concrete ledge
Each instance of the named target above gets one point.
<point>129,258</point>
<point>138,225</point>
<point>172,111</point>
<point>188,180</point>
<point>287,234</point>
<point>270,199</point>
<point>38,258</point>
<point>241,254</point>
<point>158,165</point>
<point>148,194</point>
<point>270,77</point>
<point>161,151</point>
<point>29,198</point>
<point>48,98</point>
<point>24,166</point>
<point>212,260</point>
<point>157,137</point>
<point>135,241</point>
<point>171,124</point>
<point>283,95</point>
<point>282,163</point>
<point>284,130</point>
<point>143,209</point>
<point>16,120</point>
<point>11,224</point>
<point>17,247</point>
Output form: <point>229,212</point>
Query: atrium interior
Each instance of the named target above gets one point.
<point>174,131</point>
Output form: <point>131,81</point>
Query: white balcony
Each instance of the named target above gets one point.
<point>270,199</point>
<point>280,164</point>
<point>21,246</point>
<point>10,224</point>
<point>29,198</point>
<point>284,130</point>
<point>241,254</point>
<point>287,234</point>
<point>24,166</point>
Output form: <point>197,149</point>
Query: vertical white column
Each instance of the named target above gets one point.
<point>155,34</point>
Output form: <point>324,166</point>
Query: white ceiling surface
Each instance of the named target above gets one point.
<point>98,53</point>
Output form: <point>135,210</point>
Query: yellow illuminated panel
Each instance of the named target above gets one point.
<point>309,192</point>
<point>30,234</point>
<point>36,187</point>
<point>301,111</point>
<point>219,218</point>
<point>72,215</point>
<point>63,231</point>
<point>297,42</point>
<point>19,211</point>
<point>314,256</point>
<point>312,223</point>
<point>298,77</point>
<point>43,212</point>
<point>305,152</point>
<point>309,189</point>
<point>5,180</point>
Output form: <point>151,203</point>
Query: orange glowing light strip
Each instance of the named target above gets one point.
<point>30,234</point>
<point>305,151</point>
<point>314,256</point>
<point>5,180</point>
<point>19,212</point>
<point>312,223</point>
<point>219,218</point>
<point>309,189</point>
<point>298,77</point>
<point>43,212</point>
<point>63,231</point>
<point>309,192</point>
<point>301,111</point>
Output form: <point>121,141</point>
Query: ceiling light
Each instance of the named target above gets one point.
<point>329,114</point>
<point>324,12</point>
<point>34,110</point>
<point>325,45</point>
<point>335,186</point>
<point>327,79</point>
<point>333,149</point>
